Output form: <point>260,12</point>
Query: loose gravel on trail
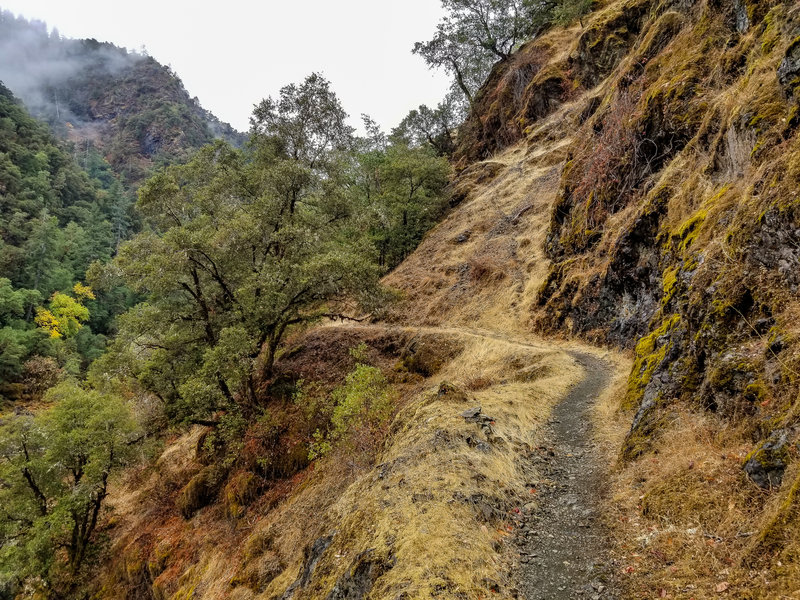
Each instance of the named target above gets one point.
<point>563,544</point>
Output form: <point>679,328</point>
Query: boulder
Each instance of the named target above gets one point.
<point>789,69</point>
<point>766,464</point>
<point>471,413</point>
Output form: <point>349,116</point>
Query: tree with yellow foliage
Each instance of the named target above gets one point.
<point>65,315</point>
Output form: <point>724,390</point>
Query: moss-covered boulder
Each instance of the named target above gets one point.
<point>766,464</point>
<point>201,490</point>
<point>606,40</point>
<point>241,489</point>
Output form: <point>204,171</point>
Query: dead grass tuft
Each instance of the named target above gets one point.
<point>477,383</point>
<point>484,269</point>
<point>688,523</point>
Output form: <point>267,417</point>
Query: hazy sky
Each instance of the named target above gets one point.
<point>231,54</point>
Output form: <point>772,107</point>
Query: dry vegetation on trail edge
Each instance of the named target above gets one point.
<point>662,257</point>
<point>431,518</point>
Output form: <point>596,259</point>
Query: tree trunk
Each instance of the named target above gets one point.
<point>460,82</point>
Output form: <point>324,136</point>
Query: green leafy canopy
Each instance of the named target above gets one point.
<point>55,467</point>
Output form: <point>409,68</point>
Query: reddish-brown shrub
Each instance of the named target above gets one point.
<point>477,383</point>
<point>485,269</point>
<point>40,373</point>
<point>611,164</point>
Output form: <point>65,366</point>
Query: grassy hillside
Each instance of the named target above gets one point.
<point>428,508</point>
<point>673,232</point>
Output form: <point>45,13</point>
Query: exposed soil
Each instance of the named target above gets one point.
<point>563,544</point>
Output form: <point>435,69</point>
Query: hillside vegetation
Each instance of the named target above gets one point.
<point>124,104</point>
<point>239,249</point>
<point>673,232</point>
<point>340,372</point>
<point>56,220</point>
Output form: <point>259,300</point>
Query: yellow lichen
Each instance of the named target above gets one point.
<point>648,355</point>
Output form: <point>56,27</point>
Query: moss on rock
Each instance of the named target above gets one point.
<point>649,354</point>
<point>766,464</point>
<point>201,490</point>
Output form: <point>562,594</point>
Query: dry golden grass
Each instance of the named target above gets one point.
<point>437,507</point>
<point>685,517</point>
<point>422,511</point>
<point>490,279</point>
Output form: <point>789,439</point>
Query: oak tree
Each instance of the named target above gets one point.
<point>230,263</point>
<point>56,467</point>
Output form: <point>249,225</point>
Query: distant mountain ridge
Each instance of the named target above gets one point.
<point>135,110</point>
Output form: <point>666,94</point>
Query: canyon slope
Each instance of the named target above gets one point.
<point>123,103</point>
<point>627,193</point>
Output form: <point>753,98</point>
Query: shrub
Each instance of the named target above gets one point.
<point>56,468</point>
<point>40,373</point>
<point>201,490</point>
<point>601,178</point>
<point>362,407</point>
<point>485,269</point>
<point>613,152</point>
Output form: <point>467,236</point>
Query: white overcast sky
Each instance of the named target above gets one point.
<point>232,54</point>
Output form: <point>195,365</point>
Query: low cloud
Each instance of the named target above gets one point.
<point>44,70</point>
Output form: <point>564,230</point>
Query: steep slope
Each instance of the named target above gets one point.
<point>482,266</point>
<point>631,182</point>
<point>135,110</point>
<point>434,509</point>
<point>673,232</point>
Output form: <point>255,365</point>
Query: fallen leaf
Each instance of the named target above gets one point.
<point>721,587</point>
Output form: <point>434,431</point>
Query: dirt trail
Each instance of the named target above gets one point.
<point>564,546</point>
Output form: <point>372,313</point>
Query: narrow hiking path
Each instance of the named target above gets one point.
<point>564,547</point>
<point>561,540</point>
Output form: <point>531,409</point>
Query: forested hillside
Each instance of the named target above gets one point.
<point>237,250</point>
<point>124,104</point>
<point>56,219</point>
<point>66,204</point>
